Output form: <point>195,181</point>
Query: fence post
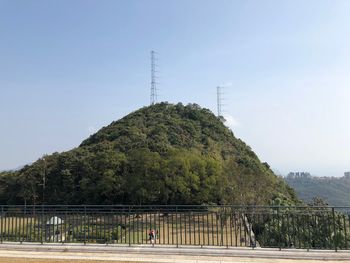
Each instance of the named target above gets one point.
<point>334,231</point>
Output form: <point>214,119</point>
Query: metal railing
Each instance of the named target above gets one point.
<point>229,226</point>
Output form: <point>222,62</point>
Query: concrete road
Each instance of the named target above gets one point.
<point>14,252</point>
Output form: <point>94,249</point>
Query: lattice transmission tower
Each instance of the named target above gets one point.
<point>154,97</point>
<point>219,101</point>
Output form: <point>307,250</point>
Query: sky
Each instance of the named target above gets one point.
<point>70,67</point>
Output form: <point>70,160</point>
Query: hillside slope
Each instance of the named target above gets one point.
<point>334,191</point>
<point>161,154</point>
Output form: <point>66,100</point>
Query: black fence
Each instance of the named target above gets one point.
<point>229,226</point>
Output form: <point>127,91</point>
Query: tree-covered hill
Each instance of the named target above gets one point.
<point>161,154</point>
<point>334,191</point>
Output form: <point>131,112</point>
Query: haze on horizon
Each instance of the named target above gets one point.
<point>67,68</point>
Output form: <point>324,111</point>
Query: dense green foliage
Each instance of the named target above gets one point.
<point>312,226</point>
<point>335,191</point>
<point>161,154</point>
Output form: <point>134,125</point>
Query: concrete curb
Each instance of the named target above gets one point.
<point>161,253</point>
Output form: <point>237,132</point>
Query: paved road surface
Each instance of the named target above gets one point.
<point>52,253</point>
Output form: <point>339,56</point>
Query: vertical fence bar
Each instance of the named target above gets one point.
<point>168,228</point>
<point>90,224</point>
<point>84,224</point>
<point>125,215</point>
<point>287,230</point>
<point>133,228</point>
<point>348,224</point>
<point>147,228</point>
<point>137,228</point>
<point>110,229</point>
<point>14,227</point>
<point>302,227</point>
<point>163,239</point>
<point>309,226</point>
<point>117,220</point>
<point>158,234</point>
<point>11,226</point>
<point>61,227</point>
<point>5,226</point>
<point>193,219</point>
<point>338,229</point>
<point>345,232</point>
<point>212,229</point>
<point>279,228</point>
<point>23,225</point>
<point>129,213</point>
<point>180,227</point>
<point>185,227</point>
<point>100,228</point>
<point>330,231</point>
<point>114,226</point>
<point>201,235</point>
<point>27,225</point>
<point>230,218</point>
<point>334,230</point>
<point>189,226</point>
<point>239,226</point>
<point>36,222</point>
<point>42,224</point>
<point>236,227</point>
<point>226,225</point>
<point>203,220</point>
<point>207,227</point>
<point>20,225</point>
<point>142,228</point>
<point>221,230</point>
<point>103,234</point>
<point>199,229</point>
<point>217,228</point>
<point>314,230</point>
<point>172,227</point>
<point>32,224</point>
<point>177,236</point>
<point>341,246</point>
<point>2,223</point>
<point>155,226</point>
<point>322,222</point>
<point>66,233</point>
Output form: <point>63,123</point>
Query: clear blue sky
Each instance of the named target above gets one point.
<point>68,68</point>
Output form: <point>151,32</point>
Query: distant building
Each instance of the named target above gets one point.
<point>299,175</point>
<point>347,175</point>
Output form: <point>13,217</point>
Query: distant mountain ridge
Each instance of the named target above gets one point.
<point>333,190</point>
